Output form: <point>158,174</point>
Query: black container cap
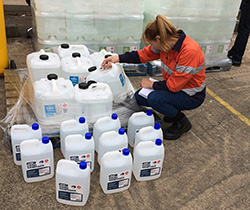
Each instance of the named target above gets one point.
<point>76,54</point>
<point>64,46</point>
<point>52,76</point>
<point>93,68</point>
<point>83,85</point>
<point>108,55</point>
<point>44,57</point>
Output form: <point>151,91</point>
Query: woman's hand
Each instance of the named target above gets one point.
<point>107,63</point>
<point>146,83</point>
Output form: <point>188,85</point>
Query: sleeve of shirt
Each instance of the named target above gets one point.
<point>129,57</point>
<point>148,53</point>
<point>160,85</point>
<point>185,69</point>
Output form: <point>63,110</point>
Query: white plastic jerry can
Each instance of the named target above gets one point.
<point>75,68</point>
<point>72,182</point>
<point>112,140</point>
<point>20,133</point>
<point>105,124</point>
<point>137,121</point>
<point>42,63</point>
<point>54,100</point>
<point>93,100</point>
<point>66,50</point>
<point>148,133</point>
<point>115,172</point>
<point>73,126</point>
<point>37,159</point>
<point>80,148</point>
<point>148,160</point>
<point>114,77</point>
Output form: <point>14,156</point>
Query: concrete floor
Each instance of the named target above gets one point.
<point>207,168</point>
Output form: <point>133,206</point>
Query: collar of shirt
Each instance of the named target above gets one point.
<point>178,44</point>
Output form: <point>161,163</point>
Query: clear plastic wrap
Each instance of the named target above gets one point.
<point>23,112</point>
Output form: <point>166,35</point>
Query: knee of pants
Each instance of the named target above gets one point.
<point>153,99</point>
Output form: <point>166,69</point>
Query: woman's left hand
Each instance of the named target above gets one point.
<point>146,83</point>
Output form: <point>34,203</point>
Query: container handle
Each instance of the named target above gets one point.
<point>54,88</point>
<point>79,62</point>
<point>100,86</point>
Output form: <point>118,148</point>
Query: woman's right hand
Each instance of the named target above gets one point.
<point>107,63</point>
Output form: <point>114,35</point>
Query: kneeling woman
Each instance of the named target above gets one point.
<point>183,67</point>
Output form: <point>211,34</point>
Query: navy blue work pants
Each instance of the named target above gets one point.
<point>166,102</point>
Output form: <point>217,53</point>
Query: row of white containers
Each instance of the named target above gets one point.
<point>115,161</point>
<point>209,23</point>
<point>104,7</point>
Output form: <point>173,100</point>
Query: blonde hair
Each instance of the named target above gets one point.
<point>164,28</point>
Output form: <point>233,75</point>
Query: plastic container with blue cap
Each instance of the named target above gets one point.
<point>72,182</point>
<point>104,124</point>
<point>37,159</point>
<point>137,121</point>
<point>112,140</point>
<point>115,171</point>
<point>148,160</point>
<point>148,133</point>
<point>73,126</point>
<point>20,133</point>
<point>80,148</point>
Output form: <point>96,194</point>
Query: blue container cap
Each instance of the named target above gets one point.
<point>158,142</point>
<point>82,120</point>
<point>45,140</point>
<point>149,112</point>
<point>114,116</point>
<point>88,136</point>
<point>125,151</point>
<point>121,131</point>
<point>83,165</point>
<point>157,126</point>
<point>35,126</point>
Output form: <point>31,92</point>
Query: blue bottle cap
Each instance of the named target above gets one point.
<point>149,112</point>
<point>35,126</point>
<point>114,116</point>
<point>125,151</point>
<point>83,165</point>
<point>45,140</point>
<point>121,131</point>
<point>82,120</point>
<point>88,136</point>
<point>158,142</point>
<point>157,126</point>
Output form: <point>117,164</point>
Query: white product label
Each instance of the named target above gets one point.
<point>52,110</point>
<point>206,49</point>
<point>38,168</point>
<point>118,180</point>
<point>85,157</point>
<point>109,49</point>
<point>17,152</point>
<point>150,168</point>
<point>77,79</point>
<point>70,192</point>
<point>129,48</point>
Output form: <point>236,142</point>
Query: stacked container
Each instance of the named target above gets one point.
<point>112,25</point>
<point>209,23</point>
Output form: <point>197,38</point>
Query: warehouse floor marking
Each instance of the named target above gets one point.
<point>230,108</point>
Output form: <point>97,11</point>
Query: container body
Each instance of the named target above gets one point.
<point>39,67</point>
<point>115,172</point>
<point>37,160</point>
<point>78,148</point>
<point>72,183</point>
<point>54,100</point>
<point>110,141</point>
<point>70,127</point>
<point>148,160</point>
<point>148,133</point>
<point>137,121</point>
<point>94,102</point>
<point>20,133</point>
<point>102,125</point>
